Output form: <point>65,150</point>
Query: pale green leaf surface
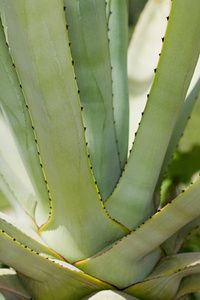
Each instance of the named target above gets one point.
<point>90,51</point>
<point>123,267</point>
<point>118,35</point>
<point>175,263</point>
<point>4,204</point>
<point>13,105</point>
<point>11,286</point>
<point>11,155</point>
<point>2,297</point>
<point>25,235</point>
<point>109,295</point>
<point>145,239</point>
<point>189,284</point>
<point>132,201</point>
<point>163,283</point>
<point>17,209</point>
<point>44,277</point>
<point>45,68</point>
<point>22,201</point>
<point>15,185</point>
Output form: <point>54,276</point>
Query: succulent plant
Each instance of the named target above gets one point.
<point>89,222</point>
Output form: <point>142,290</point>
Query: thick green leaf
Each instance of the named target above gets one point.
<point>3,202</point>
<point>44,277</point>
<point>109,295</point>
<point>17,209</point>
<point>123,267</point>
<point>142,243</point>
<point>11,286</point>
<point>13,105</point>
<point>90,51</point>
<point>45,69</point>
<point>15,185</point>
<point>118,35</point>
<point>2,297</point>
<point>132,201</point>
<point>23,202</point>
<point>189,284</point>
<point>164,282</point>
<point>25,235</point>
<point>11,155</point>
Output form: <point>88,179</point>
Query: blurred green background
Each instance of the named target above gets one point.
<point>135,8</point>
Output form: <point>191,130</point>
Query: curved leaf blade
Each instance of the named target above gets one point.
<point>11,286</point>
<point>25,236</point>
<point>14,107</point>
<point>132,201</point>
<point>21,199</point>
<point>189,284</point>
<point>44,277</point>
<point>11,155</point>
<point>118,35</point>
<point>4,204</point>
<point>164,282</point>
<point>123,267</point>
<point>15,185</point>
<point>145,239</point>
<point>90,51</point>
<point>45,69</point>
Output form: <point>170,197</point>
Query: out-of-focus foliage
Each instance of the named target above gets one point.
<point>135,8</point>
<point>185,164</point>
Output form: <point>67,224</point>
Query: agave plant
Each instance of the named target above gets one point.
<point>89,223</point>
